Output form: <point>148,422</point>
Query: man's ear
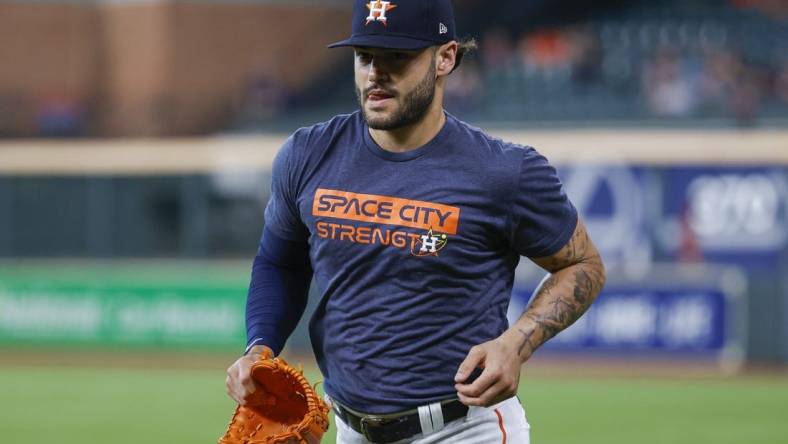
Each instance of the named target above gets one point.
<point>445,58</point>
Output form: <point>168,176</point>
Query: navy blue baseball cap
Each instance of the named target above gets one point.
<point>401,24</point>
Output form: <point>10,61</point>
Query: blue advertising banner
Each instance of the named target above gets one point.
<point>682,320</point>
<point>612,202</point>
<point>725,214</point>
<point>679,217</point>
<point>638,214</point>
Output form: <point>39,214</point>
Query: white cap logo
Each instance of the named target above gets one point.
<point>442,29</point>
<point>378,10</point>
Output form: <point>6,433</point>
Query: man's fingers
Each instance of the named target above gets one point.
<point>493,395</point>
<point>487,379</point>
<point>474,359</point>
<point>228,388</point>
<point>234,393</point>
<point>246,382</point>
<point>240,385</point>
<point>469,401</point>
<point>238,391</point>
<point>230,385</point>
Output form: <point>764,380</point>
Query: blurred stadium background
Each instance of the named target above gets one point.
<point>136,140</point>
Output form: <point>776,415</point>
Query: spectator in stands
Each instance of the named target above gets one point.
<point>731,87</point>
<point>748,95</point>
<point>781,83</point>
<point>668,87</point>
<point>586,56</point>
<point>774,8</point>
<point>262,98</point>
<point>548,51</point>
<point>718,79</point>
<point>60,115</point>
<point>464,90</point>
<point>496,50</point>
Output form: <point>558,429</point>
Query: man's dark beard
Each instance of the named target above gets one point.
<point>414,106</point>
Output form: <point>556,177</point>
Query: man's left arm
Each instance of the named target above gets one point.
<point>576,277</point>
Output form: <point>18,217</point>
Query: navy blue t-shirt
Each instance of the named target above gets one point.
<point>413,253</point>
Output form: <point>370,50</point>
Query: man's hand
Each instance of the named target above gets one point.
<point>240,385</point>
<point>577,276</point>
<point>283,406</point>
<point>500,376</point>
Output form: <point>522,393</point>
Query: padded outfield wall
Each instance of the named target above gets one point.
<point>100,238</point>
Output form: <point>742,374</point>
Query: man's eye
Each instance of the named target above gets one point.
<point>366,58</point>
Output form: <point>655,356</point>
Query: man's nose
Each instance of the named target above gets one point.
<point>377,71</point>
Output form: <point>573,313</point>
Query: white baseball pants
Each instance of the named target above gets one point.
<point>503,423</point>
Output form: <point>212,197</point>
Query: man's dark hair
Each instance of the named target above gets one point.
<point>465,46</point>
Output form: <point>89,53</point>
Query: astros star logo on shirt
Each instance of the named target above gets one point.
<point>377,11</point>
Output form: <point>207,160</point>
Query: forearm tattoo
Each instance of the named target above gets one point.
<point>526,340</point>
<point>577,277</point>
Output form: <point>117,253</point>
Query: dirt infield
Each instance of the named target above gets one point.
<point>546,366</point>
<point>125,359</point>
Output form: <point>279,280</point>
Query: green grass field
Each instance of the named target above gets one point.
<point>84,394</point>
<point>66,405</point>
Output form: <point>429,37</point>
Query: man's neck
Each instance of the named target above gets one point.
<point>413,136</point>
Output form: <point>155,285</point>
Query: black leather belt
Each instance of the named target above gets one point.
<point>392,428</point>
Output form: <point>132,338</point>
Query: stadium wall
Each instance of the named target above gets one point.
<point>681,199</point>
<point>154,67</point>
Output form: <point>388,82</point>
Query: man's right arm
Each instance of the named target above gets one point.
<point>277,297</point>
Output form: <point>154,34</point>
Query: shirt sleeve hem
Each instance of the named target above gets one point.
<point>561,240</point>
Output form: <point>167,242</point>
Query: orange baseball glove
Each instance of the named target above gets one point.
<point>284,410</point>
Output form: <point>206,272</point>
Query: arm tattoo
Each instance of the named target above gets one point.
<point>526,340</point>
<point>576,279</point>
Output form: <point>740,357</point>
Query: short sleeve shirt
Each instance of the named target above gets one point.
<point>413,253</point>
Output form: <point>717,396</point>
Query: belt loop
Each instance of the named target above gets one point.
<point>425,419</point>
<point>436,411</point>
